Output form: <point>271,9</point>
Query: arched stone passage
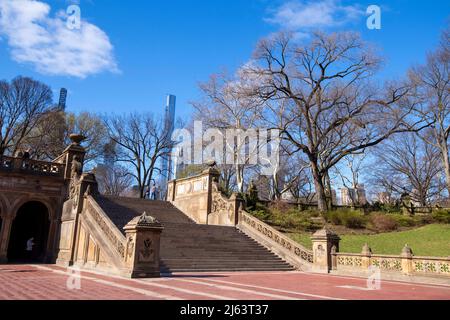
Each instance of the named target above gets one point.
<point>31,221</point>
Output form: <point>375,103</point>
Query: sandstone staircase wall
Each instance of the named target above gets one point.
<point>199,198</point>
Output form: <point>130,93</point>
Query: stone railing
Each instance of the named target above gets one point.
<point>404,264</point>
<point>223,211</point>
<point>115,238</point>
<point>32,166</point>
<point>101,246</point>
<point>277,242</point>
<point>431,265</point>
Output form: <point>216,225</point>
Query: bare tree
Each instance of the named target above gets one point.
<point>113,180</point>
<point>433,89</point>
<point>332,110</point>
<point>46,140</point>
<point>225,107</point>
<point>22,103</point>
<point>141,141</point>
<point>407,164</point>
<point>50,136</point>
<point>350,171</point>
<point>92,127</point>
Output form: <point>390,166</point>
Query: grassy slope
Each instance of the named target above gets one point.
<point>431,240</point>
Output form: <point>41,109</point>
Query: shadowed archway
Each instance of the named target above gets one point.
<point>32,221</point>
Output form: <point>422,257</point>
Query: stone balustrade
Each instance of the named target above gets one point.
<point>404,264</point>
<point>32,166</point>
<point>277,242</point>
<point>115,238</point>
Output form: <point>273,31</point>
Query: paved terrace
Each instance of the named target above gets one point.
<point>48,282</point>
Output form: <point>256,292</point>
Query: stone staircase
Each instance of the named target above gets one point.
<point>190,247</point>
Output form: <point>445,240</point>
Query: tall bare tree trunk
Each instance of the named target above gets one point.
<point>446,163</point>
<point>240,177</point>
<point>320,188</point>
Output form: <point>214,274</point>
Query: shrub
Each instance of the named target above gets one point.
<point>426,219</point>
<point>405,221</point>
<point>386,208</point>
<point>355,222</point>
<point>280,206</point>
<point>334,217</point>
<point>441,216</point>
<point>348,218</point>
<point>261,215</point>
<point>383,222</point>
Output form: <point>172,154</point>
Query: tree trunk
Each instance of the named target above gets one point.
<point>320,189</point>
<point>446,162</point>
<point>240,177</point>
<point>328,190</point>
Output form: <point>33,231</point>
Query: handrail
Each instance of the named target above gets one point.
<point>280,244</point>
<point>433,266</point>
<point>32,166</point>
<point>113,235</point>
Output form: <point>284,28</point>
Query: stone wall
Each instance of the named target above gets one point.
<point>92,241</point>
<point>191,196</point>
<point>200,199</point>
<point>35,181</point>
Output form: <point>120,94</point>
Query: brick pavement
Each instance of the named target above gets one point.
<point>49,282</point>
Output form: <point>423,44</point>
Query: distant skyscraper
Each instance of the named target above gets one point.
<point>169,126</point>
<point>351,196</point>
<point>62,98</point>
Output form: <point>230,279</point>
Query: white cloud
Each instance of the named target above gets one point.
<point>45,42</point>
<point>307,15</point>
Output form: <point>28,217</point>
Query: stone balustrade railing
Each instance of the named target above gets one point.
<point>280,244</point>
<point>32,166</point>
<point>404,264</point>
<point>115,238</point>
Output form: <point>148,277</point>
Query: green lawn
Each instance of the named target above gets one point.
<point>431,240</point>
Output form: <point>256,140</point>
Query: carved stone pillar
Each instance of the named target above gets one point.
<point>367,254</point>
<point>79,184</point>
<point>171,190</point>
<point>73,151</point>
<point>407,257</point>
<point>323,242</point>
<point>143,236</point>
<point>4,238</point>
<point>49,256</point>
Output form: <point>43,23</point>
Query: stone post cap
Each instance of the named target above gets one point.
<point>366,250</point>
<point>407,252</point>
<point>77,139</point>
<point>236,196</point>
<point>325,233</point>
<point>212,167</point>
<point>144,221</point>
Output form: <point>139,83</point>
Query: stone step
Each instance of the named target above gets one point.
<point>221,269</point>
<point>244,256</point>
<point>188,261</point>
<point>190,247</point>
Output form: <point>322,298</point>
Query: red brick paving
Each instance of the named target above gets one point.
<point>48,282</point>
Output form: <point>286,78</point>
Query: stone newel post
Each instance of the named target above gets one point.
<point>407,257</point>
<point>324,243</point>
<point>143,236</point>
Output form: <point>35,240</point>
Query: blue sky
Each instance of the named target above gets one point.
<point>135,52</point>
